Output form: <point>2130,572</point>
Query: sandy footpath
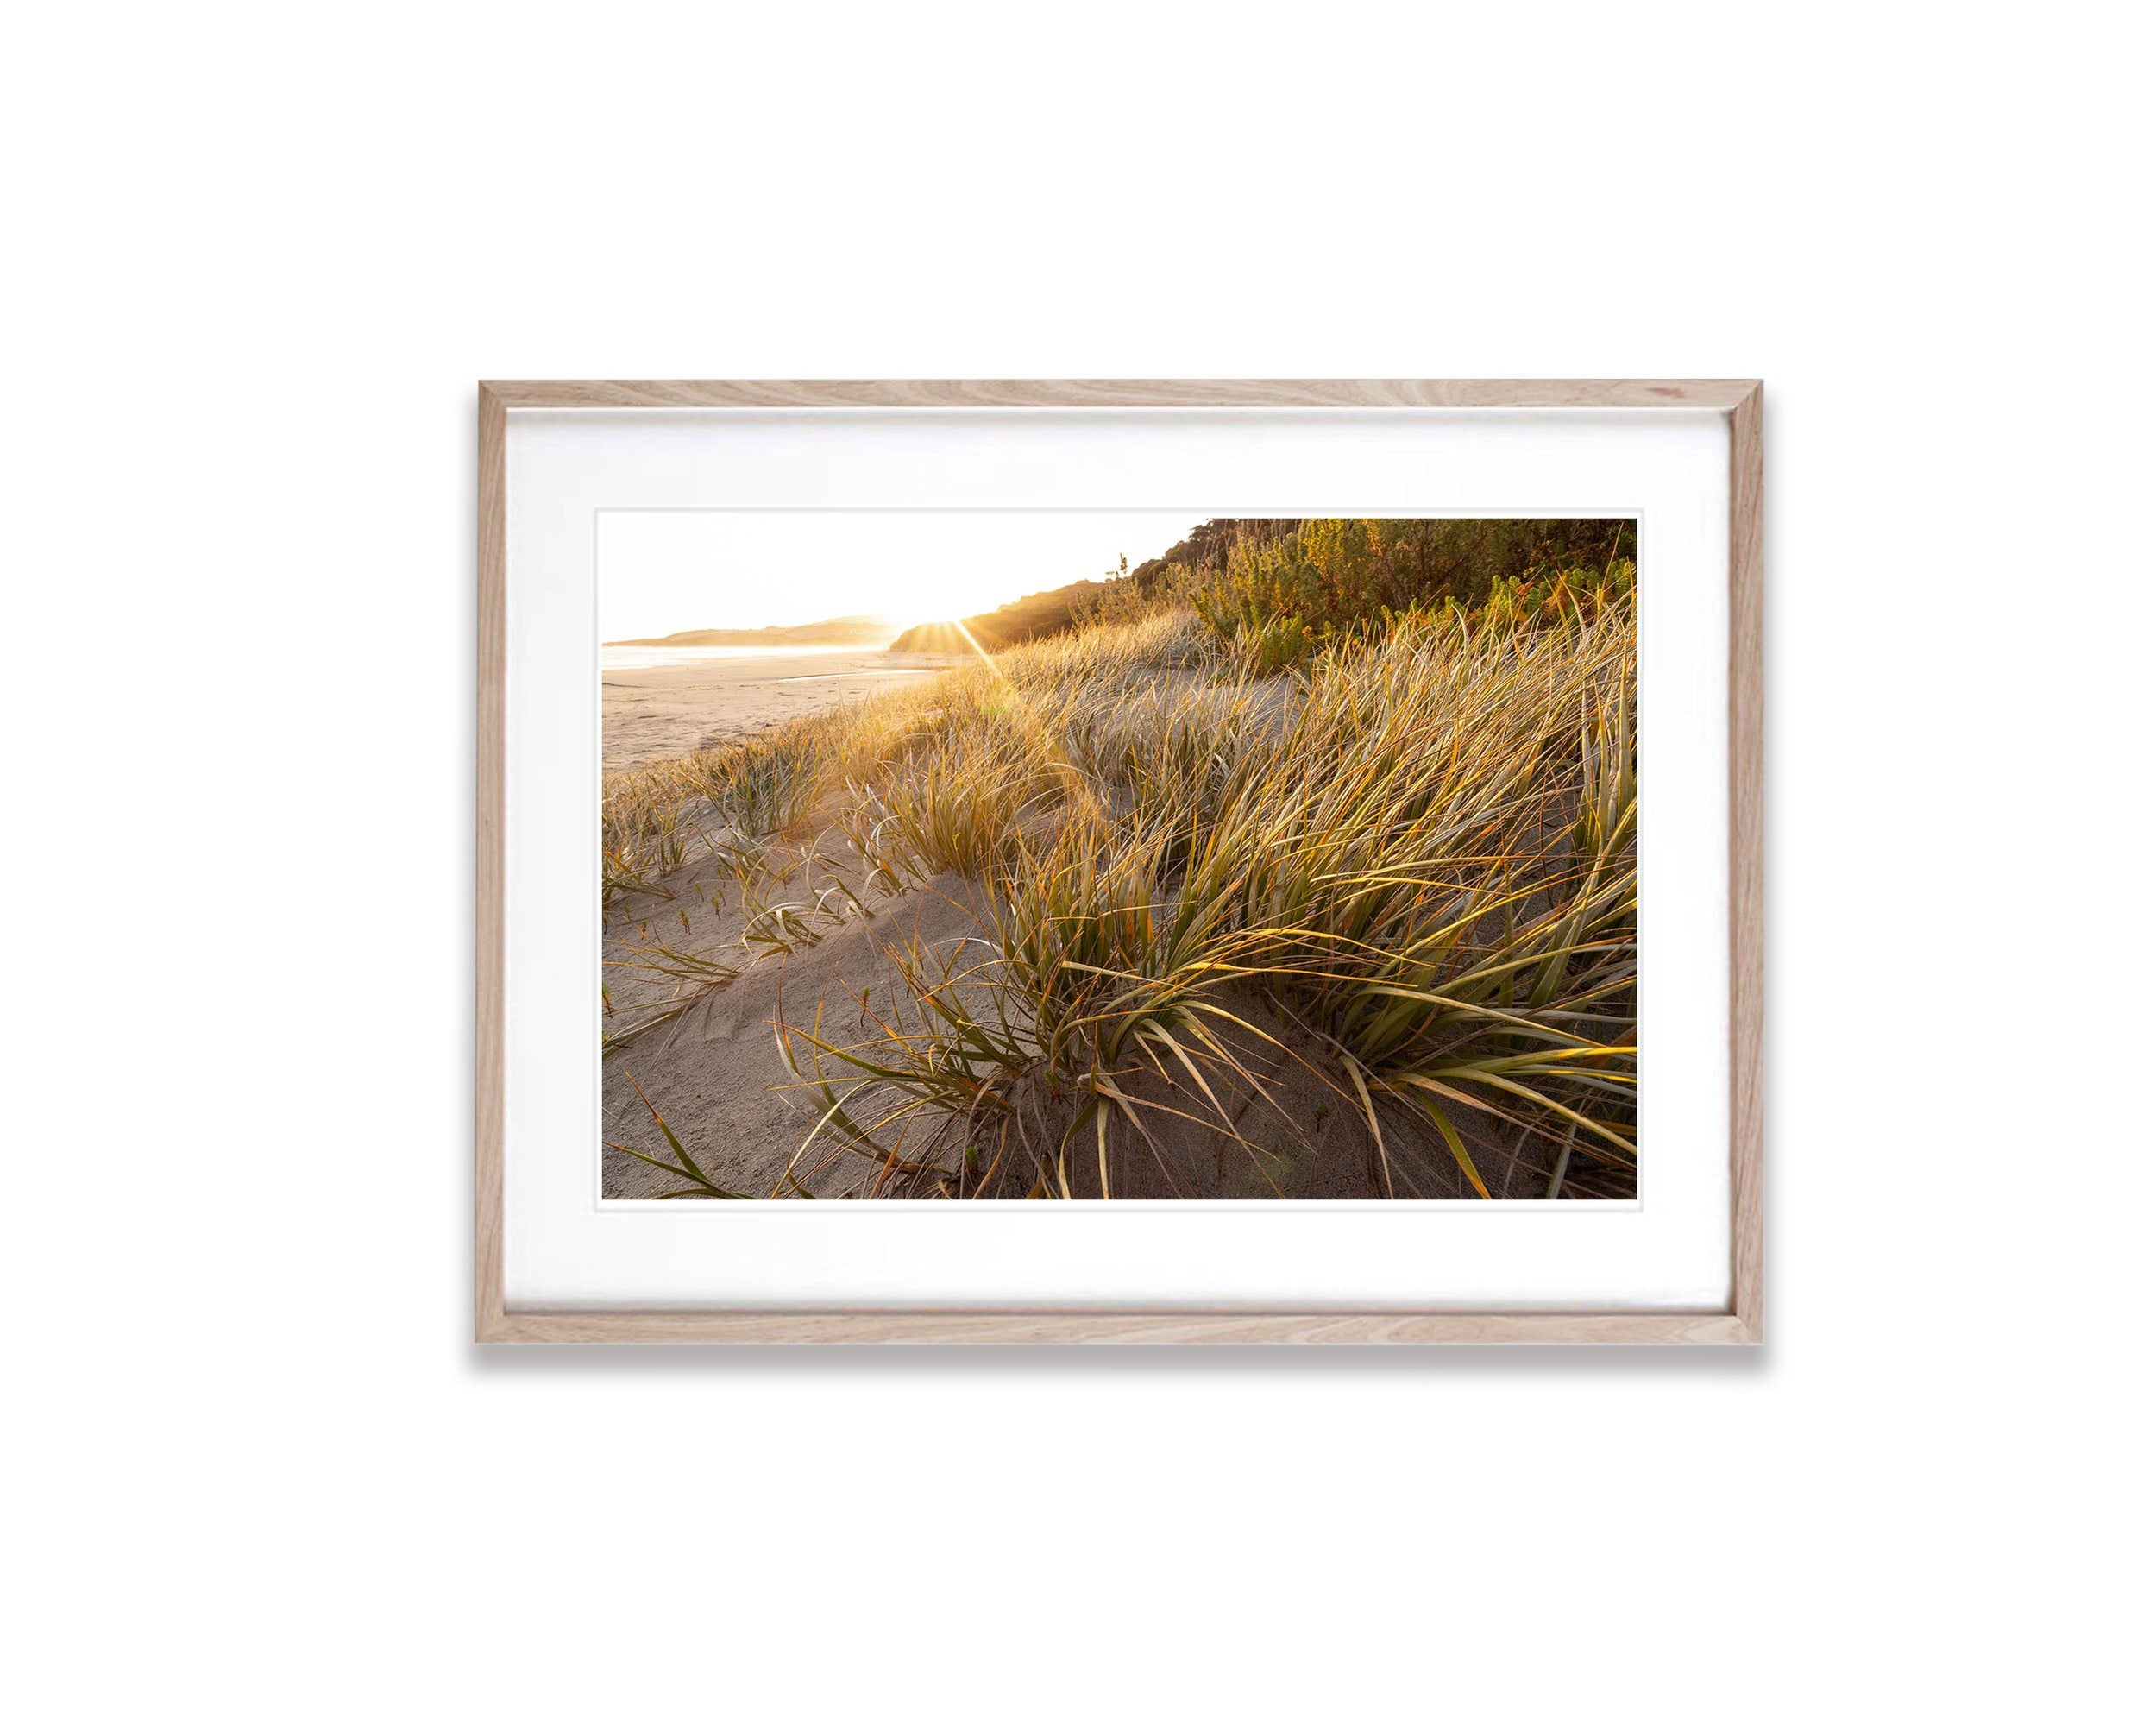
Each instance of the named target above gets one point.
<point>668,710</point>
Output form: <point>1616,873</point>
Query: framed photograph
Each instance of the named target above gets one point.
<point>1110,861</point>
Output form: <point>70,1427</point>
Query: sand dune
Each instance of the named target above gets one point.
<point>714,1073</point>
<point>881,957</point>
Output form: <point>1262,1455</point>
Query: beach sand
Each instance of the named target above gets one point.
<point>664,711</point>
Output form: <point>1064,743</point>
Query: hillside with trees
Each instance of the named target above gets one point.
<point>1313,577</point>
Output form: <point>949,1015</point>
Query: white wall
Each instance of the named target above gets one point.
<point>263,254</point>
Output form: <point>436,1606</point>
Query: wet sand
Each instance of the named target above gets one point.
<point>662,711</point>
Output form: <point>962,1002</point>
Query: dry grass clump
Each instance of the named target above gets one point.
<point>1445,848</point>
<point>1413,876</point>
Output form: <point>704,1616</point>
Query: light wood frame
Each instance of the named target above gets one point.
<point>1739,400</point>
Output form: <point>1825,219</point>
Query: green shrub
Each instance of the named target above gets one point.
<point>1333,575</point>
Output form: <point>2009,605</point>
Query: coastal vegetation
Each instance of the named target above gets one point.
<point>1303,864</point>
<point>1327,573</point>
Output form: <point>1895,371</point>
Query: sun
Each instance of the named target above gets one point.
<point>947,595</point>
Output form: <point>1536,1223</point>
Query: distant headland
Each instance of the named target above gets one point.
<point>832,631</point>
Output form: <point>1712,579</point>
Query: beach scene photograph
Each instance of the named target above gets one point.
<point>1084,856</point>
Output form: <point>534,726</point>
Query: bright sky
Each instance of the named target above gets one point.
<point>662,572</point>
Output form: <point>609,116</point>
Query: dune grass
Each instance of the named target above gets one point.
<point>1409,852</point>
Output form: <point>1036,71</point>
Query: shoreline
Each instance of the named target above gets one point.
<point>660,712</point>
